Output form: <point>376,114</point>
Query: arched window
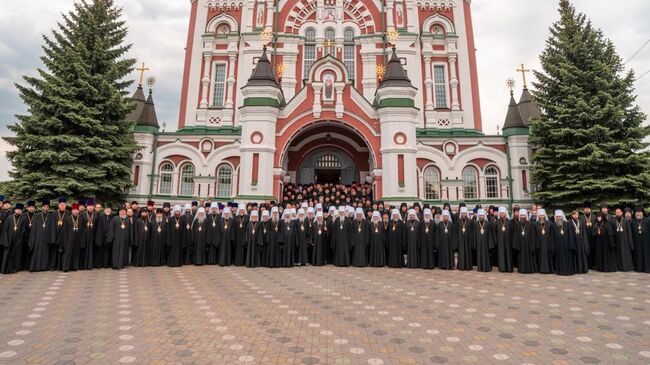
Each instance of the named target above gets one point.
<point>166,179</point>
<point>328,162</point>
<point>349,51</point>
<point>224,180</point>
<point>469,183</point>
<point>431,183</point>
<point>187,180</point>
<point>309,56</point>
<point>491,182</point>
<point>330,44</point>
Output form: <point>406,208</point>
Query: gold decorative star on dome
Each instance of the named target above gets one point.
<point>380,71</point>
<point>392,36</point>
<point>151,81</point>
<point>279,69</point>
<point>510,83</point>
<point>266,36</point>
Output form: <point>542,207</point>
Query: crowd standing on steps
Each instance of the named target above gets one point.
<point>85,236</point>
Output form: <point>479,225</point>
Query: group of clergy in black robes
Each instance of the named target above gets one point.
<point>87,236</point>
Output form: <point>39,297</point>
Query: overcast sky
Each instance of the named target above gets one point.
<point>507,32</point>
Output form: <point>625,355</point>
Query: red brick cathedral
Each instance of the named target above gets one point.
<point>379,92</point>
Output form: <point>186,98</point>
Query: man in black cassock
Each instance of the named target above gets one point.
<point>483,241</point>
<point>176,243</point>
<point>302,228</point>
<point>412,231</point>
<point>120,238</point>
<point>287,238</point>
<point>360,238</point>
<point>14,233</point>
<point>254,240</point>
<point>226,237</point>
<point>503,240</point>
<point>581,238</point>
<point>446,242</point>
<point>604,247</point>
<point>523,241</point>
<point>71,239</point>
<point>40,238</point>
<point>89,219</point>
<point>273,257</point>
<point>241,222</point>
<point>623,241</point>
<point>341,239</point>
<point>377,241</point>
<point>465,240</point>
<point>544,242</point>
<point>102,249</point>
<point>427,240</point>
<point>158,240</point>
<point>55,250</point>
<point>588,220</point>
<point>319,240</point>
<point>141,237</point>
<point>200,237</point>
<point>188,218</point>
<point>641,237</point>
<point>564,245</point>
<point>396,240</point>
<point>213,234</point>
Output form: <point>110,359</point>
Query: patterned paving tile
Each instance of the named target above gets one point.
<point>324,315</point>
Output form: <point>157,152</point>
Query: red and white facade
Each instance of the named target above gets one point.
<point>332,117</point>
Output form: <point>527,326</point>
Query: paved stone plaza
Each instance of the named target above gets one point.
<point>326,315</point>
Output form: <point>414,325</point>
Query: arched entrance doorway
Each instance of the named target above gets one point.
<point>327,152</point>
<point>327,166</point>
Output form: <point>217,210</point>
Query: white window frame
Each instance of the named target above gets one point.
<point>435,184</point>
<point>496,193</point>
<point>160,178</point>
<point>332,49</point>
<point>347,44</point>
<point>475,194</point>
<point>183,184</point>
<point>436,84</point>
<point>308,61</point>
<point>213,83</point>
<point>219,185</point>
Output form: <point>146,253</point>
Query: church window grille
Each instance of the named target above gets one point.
<point>224,180</point>
<point>166,178</point>
<point>491,182</point>
<point>309,51</point>
<point>469,183</point>
<point>440,86</point>
<point>187,180</point>
<point>328,162</point>
<point>219,85</point>
<point>431,183</point>
<point>349,51</point>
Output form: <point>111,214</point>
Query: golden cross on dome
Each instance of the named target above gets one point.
<point>523,71</point>
<point>142,71</point>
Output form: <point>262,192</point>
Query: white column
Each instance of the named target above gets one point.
<point>205,81</point>
<point>390,23</point>
<point>454,83</point>
<point>231,79</point>
<point>412,24</point>
<point>339,86</point>
<point>428,82</point>
<point>317,86</point>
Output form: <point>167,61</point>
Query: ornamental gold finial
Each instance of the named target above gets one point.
<point>279,69</point>
<point>523,71</point>
<point>266,37</point>
<point>510,83</point>
<point>392,36</point>
<point>151,81</point>
<point>142,70</point>
<point>380,71</point>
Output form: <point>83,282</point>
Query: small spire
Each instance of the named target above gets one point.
<point>395,73</point>
<point>263,72</point>
<point>148,115</point>
<point>513,117</point>
<point>527,106</point>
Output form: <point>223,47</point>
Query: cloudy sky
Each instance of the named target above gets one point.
<point>508,33</point>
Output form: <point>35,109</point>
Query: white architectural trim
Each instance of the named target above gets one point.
<point>438,19</point>
<point>219,19</point>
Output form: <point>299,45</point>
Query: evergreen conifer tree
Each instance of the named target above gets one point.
<point>74,139</point>
<point>589,139</point>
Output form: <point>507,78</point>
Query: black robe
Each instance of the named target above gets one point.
<point>589,222</point>
<point>14,234</point>
<point>465,243</point>
<point>427,244</point>
<point>523,241</point>
<point>360,238</point>
<point>581,239</point>
<point>342,241</point>
<point>319,242</point>
<point>176,241</point>
<point>412,230</point>
<point>226,240</point>
<point>241,222</point>
<point>158,242</point>
<point>641,236</point>
<point>624,244</point>
<point>287,239</point>
<point>102,250</point>
<point>396,243</point>
<point>604,247</point>
<point>213,239</point>
<point>200,241</point>
<point>89,221</point>
<point>187,239</point>
<point>26,252</point>
<point>140,245</point>
<point>40,241</point>
<point>544,244</point>
<point>503,241</point>
<point>120,238</point>
<point>56,252</point>
<point>564,249</point>
<point>70,240</point>
<point>446,244</point>
<point>303,237</point>
<point>272,245</point>
<point>254,243</point>
<point>483,242</point>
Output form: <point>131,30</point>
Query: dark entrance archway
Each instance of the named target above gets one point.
<point>327,166</point>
